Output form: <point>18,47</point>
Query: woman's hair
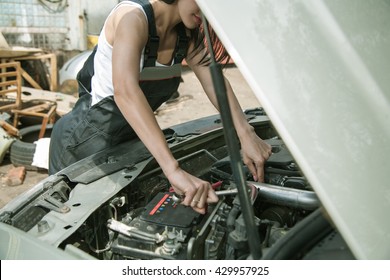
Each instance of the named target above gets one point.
<point>201,46</point>
<point>198,37</point>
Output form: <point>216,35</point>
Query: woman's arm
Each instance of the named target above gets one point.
<point>127,48</point>
<point>254,150</point>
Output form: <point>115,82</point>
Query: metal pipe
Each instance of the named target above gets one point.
<point>295,198</point>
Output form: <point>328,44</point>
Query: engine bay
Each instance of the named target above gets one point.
<point>118,211</point>
<point>166,229</point>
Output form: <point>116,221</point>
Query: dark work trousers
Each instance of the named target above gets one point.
<point>89,129</point>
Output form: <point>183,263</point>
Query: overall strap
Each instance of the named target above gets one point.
<point>85,74</point>
<point>151,48</point>
<point>181,48</point>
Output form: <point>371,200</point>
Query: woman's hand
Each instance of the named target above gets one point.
<point>255,153</point>
<point>197,193</point>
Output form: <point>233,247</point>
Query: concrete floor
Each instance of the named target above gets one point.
<point>191,104</point>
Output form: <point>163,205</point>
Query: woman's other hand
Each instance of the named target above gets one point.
<point>255,152</point>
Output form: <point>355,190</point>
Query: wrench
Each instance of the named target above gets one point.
<point>179,198</point>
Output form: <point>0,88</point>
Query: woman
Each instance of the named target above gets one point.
<point>135,69</point>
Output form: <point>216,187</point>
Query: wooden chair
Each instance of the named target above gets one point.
<point>10,86</point>
<point>11,82</point>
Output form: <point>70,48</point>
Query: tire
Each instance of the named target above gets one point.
<point>22,154</point>
<point>22,151</point>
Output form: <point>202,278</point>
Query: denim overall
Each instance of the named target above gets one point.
<point>89,129</point>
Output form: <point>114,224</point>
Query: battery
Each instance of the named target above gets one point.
<point>166,211</point>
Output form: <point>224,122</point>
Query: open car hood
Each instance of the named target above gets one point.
<point>320,70</point>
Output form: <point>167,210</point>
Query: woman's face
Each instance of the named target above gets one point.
<point>189,13</point>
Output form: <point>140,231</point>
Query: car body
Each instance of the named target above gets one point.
<point>319,69</point>
<point>69,70</point>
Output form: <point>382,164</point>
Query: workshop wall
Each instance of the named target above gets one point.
<point>32,23</point>
<point>52,24</point>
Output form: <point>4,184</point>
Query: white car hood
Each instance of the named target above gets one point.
<point>321,71</point>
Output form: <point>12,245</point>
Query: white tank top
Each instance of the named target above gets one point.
<point>102,79</point>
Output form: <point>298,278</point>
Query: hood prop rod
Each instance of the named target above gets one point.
<point>233,149</point>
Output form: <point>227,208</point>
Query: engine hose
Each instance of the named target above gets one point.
<point>304,234</point>
<point>274,170</point>
<point>233,214</point>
